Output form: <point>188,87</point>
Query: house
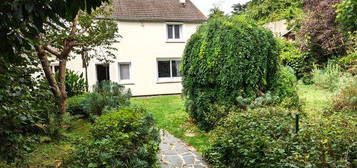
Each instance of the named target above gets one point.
<point>280,30</point>
<point>148,56</point>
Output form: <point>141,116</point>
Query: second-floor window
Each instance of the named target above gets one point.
<point>174,31</point>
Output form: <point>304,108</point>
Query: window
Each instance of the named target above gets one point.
<point>169,68</point>
<point>124,71</point>
<point>174,31</point>
<point>55,68</point>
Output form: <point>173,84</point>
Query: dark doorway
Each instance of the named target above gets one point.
<point>102,72</point>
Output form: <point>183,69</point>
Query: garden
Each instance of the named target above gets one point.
<point>249,99</point>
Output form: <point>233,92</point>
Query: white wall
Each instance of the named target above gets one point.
<point>141,45</point>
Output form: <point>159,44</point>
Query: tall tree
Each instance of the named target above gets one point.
<point>320,35</point>
<point>62,40</point>
<point>239,8</point>
<point>22,20</point>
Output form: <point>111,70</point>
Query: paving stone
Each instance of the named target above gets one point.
<point>174,153</point>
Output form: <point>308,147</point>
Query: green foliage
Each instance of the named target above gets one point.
<point>251,139</point>
<point>265,138</point>
<point>106,95</point>
<point>291,55</point>
<point>346,97</point>
<point>347,15</point>
<point>328,78</point>
<point>126,138</point>
<point>227,58</point>
<point>265,11</point>
<point>23,105</point>
<point>75,83</point>
<point>285,88</point>
<point>75,105</point>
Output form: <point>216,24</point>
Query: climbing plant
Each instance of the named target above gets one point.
<point>228,58</point>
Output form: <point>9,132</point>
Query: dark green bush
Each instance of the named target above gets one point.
<point>265,138</point>
<point>126,138</point>
<point>75,83</point>
<point>227,58</point>
<point>106,95</point>
<point>24,104</point>
<point>75,105</point>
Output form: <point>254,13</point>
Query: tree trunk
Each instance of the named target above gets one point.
<point>56,89</point>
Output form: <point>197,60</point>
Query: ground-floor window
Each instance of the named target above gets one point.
<point>102,72</point>
<point>124,71</point>
<point>169,68</point>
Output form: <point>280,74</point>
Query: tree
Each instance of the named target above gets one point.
<point>86,32</point>
<point>239,8</point>
<point>347,15</point>
<point>216,12</point>
<point>21,21</point>
<point>319,34</point>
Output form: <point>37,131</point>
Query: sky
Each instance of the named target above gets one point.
<point>225,5</point>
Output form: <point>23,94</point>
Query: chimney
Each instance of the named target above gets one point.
<point>183,2</point>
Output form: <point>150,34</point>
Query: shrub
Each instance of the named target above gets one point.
<point>126,138</point>
<point>327,78</point>
<point>290,55</point>
<point>265,138</point>
<point>23,105</point>
<point>251,139</point>
<point>285,88</point>
<point>106,95</point>
<point>75,83</point>
<point>75,105</point>
<point>227,58</point>
<point>346,97</point>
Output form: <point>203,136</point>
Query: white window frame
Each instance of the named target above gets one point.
<point>181,39</point>
<point>170,79</point>
<point>126,81</point>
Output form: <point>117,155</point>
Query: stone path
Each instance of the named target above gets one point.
<point>174,153</point>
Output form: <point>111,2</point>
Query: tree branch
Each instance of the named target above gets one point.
<point>53,52</point>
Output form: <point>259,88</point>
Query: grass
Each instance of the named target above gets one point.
<point>52,153</point>
<point>314,99</point>
<point>170,115</point>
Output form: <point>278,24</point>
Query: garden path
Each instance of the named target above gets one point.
<point>174,153</point>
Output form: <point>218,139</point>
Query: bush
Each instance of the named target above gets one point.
<point>251,139</point>
<point>126,138</point>
<point>23,106</point>
<point>327,78</point>
<point>290,55</point>
<point>75,105</point>
<point>346,97</point>
<point>106,95</point>
<point>285,88</point>
<point>227,58</point>
<point>75,83</point>
<point>265,138</point>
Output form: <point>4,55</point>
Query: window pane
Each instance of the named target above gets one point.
<point>56,68</point>
<point>164,69</point>
<point>176,68</point>
<point>177,31</point>
<point>124,71</point>
<point>170,31</point>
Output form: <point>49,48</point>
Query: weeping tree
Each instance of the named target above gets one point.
<point>65,40</point>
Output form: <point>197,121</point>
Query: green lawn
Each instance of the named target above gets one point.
<point>171,116</point>
<point>314,99</point>
<point>53,153</point>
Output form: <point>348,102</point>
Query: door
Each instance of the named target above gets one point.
<point>102,72</point>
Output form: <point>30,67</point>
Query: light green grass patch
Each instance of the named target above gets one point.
<point>170,115</point>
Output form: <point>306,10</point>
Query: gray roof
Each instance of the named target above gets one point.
<point>157,10</point>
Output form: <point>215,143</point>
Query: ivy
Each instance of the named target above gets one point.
<point>228,57</point>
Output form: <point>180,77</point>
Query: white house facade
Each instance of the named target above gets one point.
<point>148,56</point>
